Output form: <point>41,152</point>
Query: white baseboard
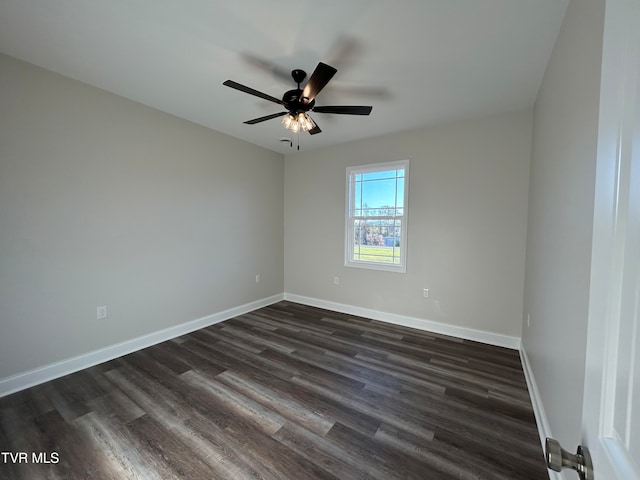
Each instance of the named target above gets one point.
<point>419,323</point>
<point>544,430</point>
<point>43,374</point>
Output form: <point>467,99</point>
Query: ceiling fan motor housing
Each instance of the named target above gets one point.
<point>295,103</point>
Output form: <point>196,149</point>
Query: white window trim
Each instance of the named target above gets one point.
<point>350,192</point>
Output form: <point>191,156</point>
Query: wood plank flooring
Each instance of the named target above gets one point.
<point>285,392</point>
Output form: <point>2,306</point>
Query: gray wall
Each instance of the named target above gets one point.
<point>467,224</point>
<point>105,201</point>
<point>560,217</point>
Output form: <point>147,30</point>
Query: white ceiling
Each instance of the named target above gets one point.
<point>417,62</point>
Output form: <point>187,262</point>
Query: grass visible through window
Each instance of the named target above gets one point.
<point>368,253</point>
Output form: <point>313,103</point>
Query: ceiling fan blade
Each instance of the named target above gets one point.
<point>344,109</point>
<point>251,91</point>
<point>265,118</point>
<point>266,65</point>
<point>318,80</point>
<point>315,129</point>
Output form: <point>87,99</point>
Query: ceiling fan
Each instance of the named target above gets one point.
<point>299,101</point>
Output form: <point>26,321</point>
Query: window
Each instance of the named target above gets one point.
<point>376,231</point>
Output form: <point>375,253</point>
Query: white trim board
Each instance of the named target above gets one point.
<point>542,422</point>
<point>481,336</point>
<point>52,371</point>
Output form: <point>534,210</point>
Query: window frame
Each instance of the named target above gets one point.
<point>350,217</point>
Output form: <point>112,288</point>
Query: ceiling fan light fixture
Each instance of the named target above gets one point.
<point>305,122</point>
<point>298,122</point>
<point>288,121</point>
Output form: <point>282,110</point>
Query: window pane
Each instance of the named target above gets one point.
<point>400,192</point>
<point>357,202</point>
<point>377,240</point>
<point>379,193</point>
<point>381,175</point>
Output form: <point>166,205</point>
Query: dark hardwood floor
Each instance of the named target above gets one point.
<point>285,392</point>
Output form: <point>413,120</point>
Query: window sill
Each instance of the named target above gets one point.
<point>377,266</point>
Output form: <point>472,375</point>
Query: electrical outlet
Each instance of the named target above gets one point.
<point>101,312</point>
<point>528,320</point>
<point>336,280</point>
<point>426,293</point>
<point>257,278</point>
